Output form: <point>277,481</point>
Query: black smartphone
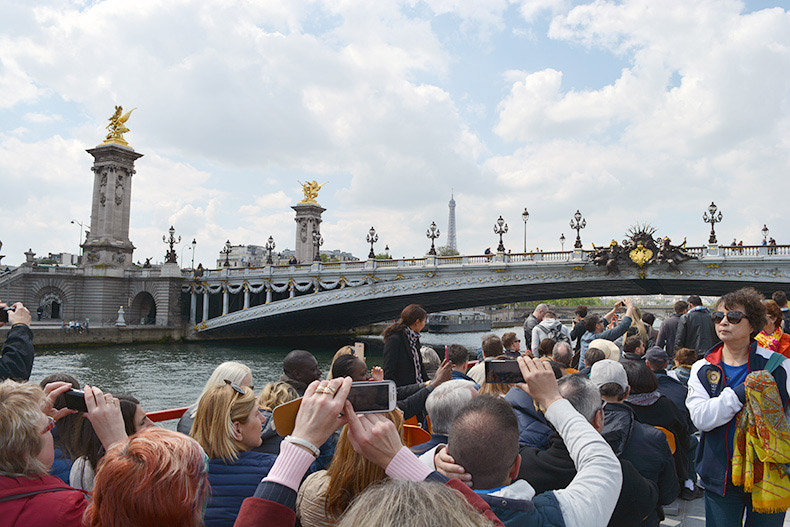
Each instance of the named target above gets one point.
<point>370,397</point>
<point>75,400</point>
<point>4,313</point>
<point>503,372</point>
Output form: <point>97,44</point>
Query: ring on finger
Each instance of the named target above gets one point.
<point>320,389</point>
<point>330,390</point>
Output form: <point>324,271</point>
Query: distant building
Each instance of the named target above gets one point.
<point>255,256</point>
<point>451,241</point>
<point>60,259</point>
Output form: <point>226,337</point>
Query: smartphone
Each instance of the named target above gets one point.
<point>359,350</point>
<point>446,352</point>
<point>503,372</point>
<point>372,397</point>
<point>75,400</point>
<point>4,313</point>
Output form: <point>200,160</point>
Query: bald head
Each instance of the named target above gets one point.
<point>302,366</point>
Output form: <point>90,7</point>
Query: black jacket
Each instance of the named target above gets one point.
<point>645,447</point>
<point>696,331</point>
<point>676,392</point>
<point>529,324</point>
<point>576,335</point>
<point>398,362</point>
<point>786,317</point>
<point>667,334</point>
<point>17,353</point>
<point>533,429</point>
<point>553,469</point>
<point>665,414</point>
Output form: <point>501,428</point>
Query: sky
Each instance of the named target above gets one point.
<point>629,111</point>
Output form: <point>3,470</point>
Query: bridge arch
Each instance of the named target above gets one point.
<point>52,301</point>
<point>142,309</point>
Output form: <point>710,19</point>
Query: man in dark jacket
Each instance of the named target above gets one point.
<point>300,368</point>
<point>644,446</point>
<point>531,321</point>
<point>443,404</point>
<point>781,300</point>
<point>553,468</point>
<point>16,356</point>
<point>533,429</point>
<point>577,332</point>
<point>695,329</point>
<point>669,328</point>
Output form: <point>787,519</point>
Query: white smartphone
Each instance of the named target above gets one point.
<point>359,350</point>
<point>373,397</point>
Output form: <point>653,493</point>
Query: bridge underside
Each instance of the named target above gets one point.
<point>339,317</point>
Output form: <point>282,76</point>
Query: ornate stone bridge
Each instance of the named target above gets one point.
<point>325,297</point>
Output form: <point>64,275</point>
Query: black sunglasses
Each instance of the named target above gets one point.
<point>733,317</point>
<point>238,389</point>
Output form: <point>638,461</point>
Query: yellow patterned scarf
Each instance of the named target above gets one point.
<point>762,445</point>
<point>769,342</point>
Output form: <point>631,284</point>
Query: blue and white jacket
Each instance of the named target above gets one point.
<point>713,406</point>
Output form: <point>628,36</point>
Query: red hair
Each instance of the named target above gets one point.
<point>155,478</point>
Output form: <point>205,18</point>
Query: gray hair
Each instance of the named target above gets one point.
<point>562,353</point>
<point>401,503</point>
<point>431,360</point>
<point>444,403</point>
<point>582,394</point>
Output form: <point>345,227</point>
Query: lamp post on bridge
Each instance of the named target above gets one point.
<point>713,219</point>
<point>318,241</point>
<point>525,217</point>
<point>226,252</point>
<point>82,227</point>
<point>387,252</point>
<point>765,232</point>
<point>194,244</point>
<point>171,256</point>
<point>578,223</point>
<point>562,241</point>
<point>269,248</point>
<point>432,233</point>
<point>500,228</point>
<point>372,238</point>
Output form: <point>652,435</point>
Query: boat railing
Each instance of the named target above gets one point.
<point>167,415</point>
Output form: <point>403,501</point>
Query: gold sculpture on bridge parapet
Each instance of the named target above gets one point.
<point>117,127</point>
<point>310,190</point>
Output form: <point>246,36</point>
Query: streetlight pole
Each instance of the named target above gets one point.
<point>578,223</point>
<point>82,226</point>
<point>372,238</point>
<point>500,228</point>
<point>432,233</point>
<point>171,256</point>
<point>318,241</point>
<point>562,241</point>
<point>269,248</point>
<point>226,252</point>
<point>713,219</point>
<point>525,217</point>
<point>194,243</point>
<point>765,232</point>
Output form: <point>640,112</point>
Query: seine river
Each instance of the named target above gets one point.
<point>171,375</point>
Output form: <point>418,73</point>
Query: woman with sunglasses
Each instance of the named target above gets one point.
<point>716,395</point>
<point>228,427</point>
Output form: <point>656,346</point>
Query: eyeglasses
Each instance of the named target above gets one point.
<point>733,317</point>
<point>50,425</point>
<point>238,389</point>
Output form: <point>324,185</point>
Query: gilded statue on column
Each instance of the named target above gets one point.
<point>117,127</point>
<point>310,190</point>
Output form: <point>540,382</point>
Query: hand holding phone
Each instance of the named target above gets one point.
<point>75,400</point>
<point>4,310</point>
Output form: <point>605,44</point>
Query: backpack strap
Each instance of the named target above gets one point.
<point>774,362</point>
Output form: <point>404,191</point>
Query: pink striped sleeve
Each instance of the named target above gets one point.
<point>405,465</point>
<point>290,466</point>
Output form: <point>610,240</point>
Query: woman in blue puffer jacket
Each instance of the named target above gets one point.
<point>228,426</point>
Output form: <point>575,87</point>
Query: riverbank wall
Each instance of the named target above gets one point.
<point>48,337</point>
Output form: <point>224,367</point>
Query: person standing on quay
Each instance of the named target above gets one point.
<point>402,361</point>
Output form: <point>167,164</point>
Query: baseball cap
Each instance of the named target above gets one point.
<point>656,354</point>
<point>606,371</point>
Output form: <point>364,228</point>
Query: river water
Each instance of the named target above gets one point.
<point>165,376</point>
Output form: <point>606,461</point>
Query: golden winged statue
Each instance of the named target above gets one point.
<point>310,190</point>
<point>117,127</point>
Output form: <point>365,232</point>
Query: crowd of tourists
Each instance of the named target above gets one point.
<point>614,420</point>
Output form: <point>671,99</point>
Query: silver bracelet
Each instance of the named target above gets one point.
<point>303,442</point>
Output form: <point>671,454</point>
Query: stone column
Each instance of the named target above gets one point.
<point>108,243</point>
<point>246,298</point>
<point>225,296</point>
<point>268,294</point>
<point>308,220</point>
<point>193,308</point>
<point>205,304</point>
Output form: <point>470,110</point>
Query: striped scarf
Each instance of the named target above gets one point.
<point>414,339</point>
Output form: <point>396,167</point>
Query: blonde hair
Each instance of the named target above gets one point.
<point>404,503</point>
<point>233,371</point>
<point>20,433</point>
<point>350,473</point>
<point>217,410</point>
<point>345,350</point>
<point>640,326</point>
<point>494,388</point>
<point>276,393</point>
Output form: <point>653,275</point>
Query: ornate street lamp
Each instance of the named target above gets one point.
<point>194,244</point>
<point>318,241</point>
<point>269,248</point>
<point>171,256</point>
<point>578,223</point>
<point>562,241</point>
<point>765,232</point>
<point>226,252</point>
<point>525,217</point>
<point>387,252</point>
<point>372,238</point>
<point>500,228</point>
<point>432,233</point>
<point>712,218</point>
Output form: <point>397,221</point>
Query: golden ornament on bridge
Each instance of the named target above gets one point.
<point>117,127</point>
<point>310,190</point>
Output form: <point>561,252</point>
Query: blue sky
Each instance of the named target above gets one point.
<point>630,111</point>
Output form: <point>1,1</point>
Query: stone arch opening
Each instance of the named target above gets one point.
<point>143,309</point>
<point>50,306</point>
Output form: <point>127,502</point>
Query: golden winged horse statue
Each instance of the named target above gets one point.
<point>117,127</point>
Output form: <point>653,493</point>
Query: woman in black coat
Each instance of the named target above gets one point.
<point>402,358</point>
